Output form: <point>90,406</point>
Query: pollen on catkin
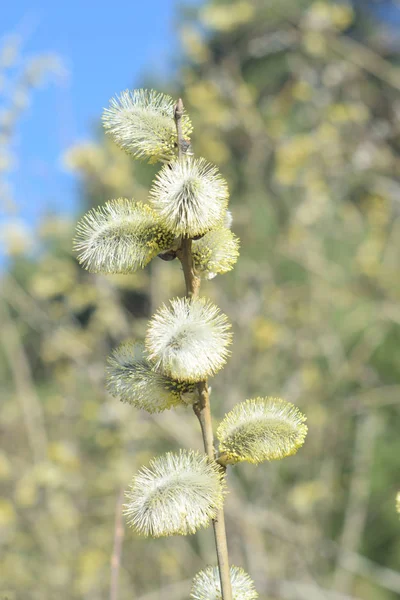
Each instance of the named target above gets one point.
<point>141,122</point>
<point>398,502</point>
<point>190,196</point>
<point>177,494</point>
<point>120,237</point>
<point>261,429</point>
<point>207,585</point>
<point>133,379</point>
<point>216,252</point>
<point>188,340</point>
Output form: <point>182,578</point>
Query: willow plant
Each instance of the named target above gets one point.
<point>187,340</point>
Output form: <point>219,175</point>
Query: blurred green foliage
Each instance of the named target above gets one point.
<point>298,103</point>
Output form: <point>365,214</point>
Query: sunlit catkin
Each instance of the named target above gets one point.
<point>134,380</point>
<point>188,340</point>
<point>120,237</point>
<point>261,429</point>
<point>190,196</point>
<point>207,585</point>
<point>142,123</point>
<point>176,494</point>
<point>215,253</point>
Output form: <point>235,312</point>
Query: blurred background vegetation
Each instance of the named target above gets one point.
<point>298,103</point>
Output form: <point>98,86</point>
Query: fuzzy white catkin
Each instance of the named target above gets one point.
<point>134,380</point>
<point>142,123</point>
<point>188,340</point>
<point>176,495</point>
<point>216,252</point>
<point>261,429</point>
<point>207,586</point>
<point>190,196</point>
<point>120,237</point>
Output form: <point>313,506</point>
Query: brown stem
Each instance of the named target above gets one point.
<point>202,410</point>
<point>202,407</point>
<point>191,279</point>
<point>178,114</point>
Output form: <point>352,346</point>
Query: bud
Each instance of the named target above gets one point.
<point>120,237</point>
<point>216,252</point>
<point>190,196</point>
<point>142,123</point>
<point>133,379</point>
<point>261,429</point>
<point>188,340</point>
<point>176,494</point>
<point>207,585</point>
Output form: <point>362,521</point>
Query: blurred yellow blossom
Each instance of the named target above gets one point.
<point>326,15</point>
<point>194,45</point>
<point>302,91</point>
<point>26,491</point>
<point>315,43</point>
<point>343,113</point>
<point>64,454</point>
<point>222,18</point>
<point>342,15</point>
<point>7,513</point>
<point>304,496</point>
<point>266,333</point>
<point>15,237</point>
<point>91,564</point>
<point>54,277</point>
<point>291,157</point>
<point>5,466</point>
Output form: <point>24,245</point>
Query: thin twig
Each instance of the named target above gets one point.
<point>117,549</point>
<point>356,511</point>
<point>191,279</point>
<point>178,114</point>
<point>202,407</point>
<point>365,58</point>
<point>31,408</point>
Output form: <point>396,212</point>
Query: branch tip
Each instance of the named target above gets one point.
<point>178,111</point>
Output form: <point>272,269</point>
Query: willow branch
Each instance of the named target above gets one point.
<point>178,114</point>
<point>192,280</point>
<point>202,408</point>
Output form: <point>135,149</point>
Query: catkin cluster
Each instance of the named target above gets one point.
<point>187,340</point>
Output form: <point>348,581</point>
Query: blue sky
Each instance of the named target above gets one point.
<point>105,47</point>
